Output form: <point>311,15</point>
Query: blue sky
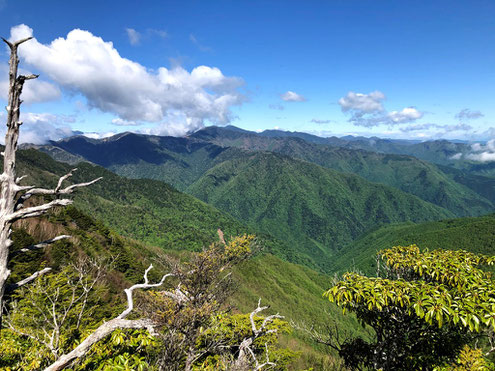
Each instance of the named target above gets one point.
<point>408,69</point>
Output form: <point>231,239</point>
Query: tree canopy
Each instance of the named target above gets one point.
<point>424,307</point>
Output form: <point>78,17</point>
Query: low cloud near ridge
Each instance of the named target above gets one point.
<point>482,153</point>
<point>176,100</point>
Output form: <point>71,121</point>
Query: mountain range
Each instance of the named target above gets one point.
<point>316,208</point>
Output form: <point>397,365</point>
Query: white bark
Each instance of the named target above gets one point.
<point>245,346</point>
<point>32,277</point>
<point>107,328</point>
<point>39,245</point>
<point>100,333</point>
<point>11,204</point>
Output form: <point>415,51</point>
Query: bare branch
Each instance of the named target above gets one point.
<point>27,77</point>
<point>245,346</point>
<point>145,285</point>
<point>17,43</point>
<point>32,277</point>
<point>220,236</point>
<point>108,327</point>
<point>101,332</point>
<point>58,190</point>
<point>40,245</point>
<point>37,210</point>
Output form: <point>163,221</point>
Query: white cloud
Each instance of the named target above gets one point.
<point>367,110</point>
<point>291,96</point>
<point>34,91</point>
<point>408,114</point>
<point>445,128</point>
<point>86,64</point>
<point>482,152</point>
<point>133,35</point>
<point>366,103</point>
<point>457,156</point>
<point>99,135</point>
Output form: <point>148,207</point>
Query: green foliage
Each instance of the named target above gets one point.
<point>441,293</point>
<point>122,350</point>
<point>460,195</point>
<point>476,235</point>
<point>316,209</point>
<point>288,288</point>
<point>149,211</point>
<point>469,360</point>
<point>50,314</point>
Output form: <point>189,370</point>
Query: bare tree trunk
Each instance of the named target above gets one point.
<point>11,204</point>
<point>9,187</point>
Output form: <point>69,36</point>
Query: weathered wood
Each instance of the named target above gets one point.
<point>12,194</point>
<point>8,191</point>
<point>107,328</point>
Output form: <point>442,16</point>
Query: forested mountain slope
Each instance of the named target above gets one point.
<point>407,173</point>
<point>176,161</point>
<point>316,209</point>
<point>181,161</point>
<point>472,234</point>
<point>147,210</point>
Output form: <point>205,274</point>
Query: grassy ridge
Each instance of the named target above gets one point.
<point>472,234</point>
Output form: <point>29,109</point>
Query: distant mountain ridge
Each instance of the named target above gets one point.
<point>403,172</point>
<point>315,197</point>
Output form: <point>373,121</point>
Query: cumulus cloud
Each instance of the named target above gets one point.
<point>467,114</point>
<point>367,110</point>
<point>276,106</point>
<point>407,114</point>
<point>133,35</point>
<point>86,64</point>
<point>290,96</point>
<point>39,128</point>
<point>318,121</point>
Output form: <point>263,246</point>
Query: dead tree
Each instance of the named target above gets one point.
<point>119,322</point>
<point>245,350</point>
<point>13,194</point>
